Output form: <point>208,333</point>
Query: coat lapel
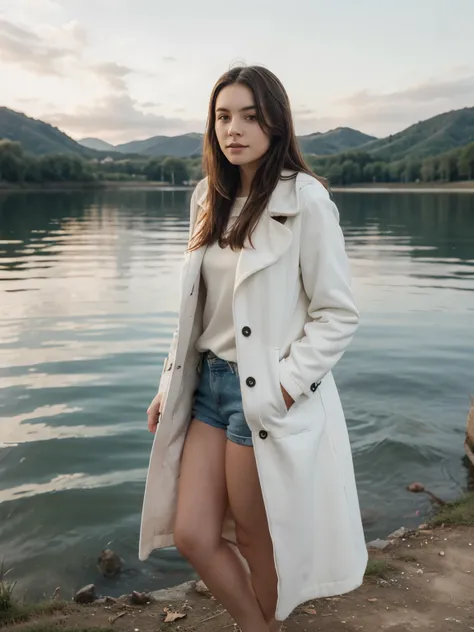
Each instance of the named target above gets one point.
<point>270,239</point>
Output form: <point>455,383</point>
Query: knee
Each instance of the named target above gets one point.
<point>185,540</point>
<point>192,544</point>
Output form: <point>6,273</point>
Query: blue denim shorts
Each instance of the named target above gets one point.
<point>218,400</point>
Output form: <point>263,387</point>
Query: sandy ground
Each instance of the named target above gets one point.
<point>430,586</point>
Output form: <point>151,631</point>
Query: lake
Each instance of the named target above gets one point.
<point>88,299</point>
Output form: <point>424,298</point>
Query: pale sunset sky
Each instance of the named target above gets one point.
<point>124,70</point>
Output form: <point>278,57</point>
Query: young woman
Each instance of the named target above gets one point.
<point>251,473</point>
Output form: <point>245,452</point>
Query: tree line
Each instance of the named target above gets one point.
<point>16,166</point>
<point>357,167</point>
<point>352,167</point>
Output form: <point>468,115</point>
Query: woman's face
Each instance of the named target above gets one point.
<point>238,132</point>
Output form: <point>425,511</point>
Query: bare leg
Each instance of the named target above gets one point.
<point>202,504</point>
<point>253,537</point>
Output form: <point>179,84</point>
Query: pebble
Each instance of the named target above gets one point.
<point>441,553</point>
<point>419,572</point>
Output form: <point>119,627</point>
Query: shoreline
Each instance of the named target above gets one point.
<point>57,187</point>
<point>380,187</point>
<point>410,187</point>
<point>415,578</point>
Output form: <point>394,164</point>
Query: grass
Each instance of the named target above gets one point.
<point>6,589</point>
<point>406,557</point>
<point>19,612</point>
<point>378,568</point>
<point>12,611</point>
<point>459,512</point>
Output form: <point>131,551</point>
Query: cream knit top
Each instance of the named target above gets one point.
<point>218,272</point>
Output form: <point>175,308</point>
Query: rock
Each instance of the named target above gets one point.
<point>423,527</point>
<point>139,599</point>
<point>379,544</point>
<point>105,601</point>
<point>109,563</point>
<point>399,533</point>
<point>441,553</point>
<point>177,593</point>
<point>86,594</point>
<point>416,488</point>
<point>419,572</point>
<point>201,588</point>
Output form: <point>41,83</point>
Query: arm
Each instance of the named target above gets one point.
<point>327,283</point>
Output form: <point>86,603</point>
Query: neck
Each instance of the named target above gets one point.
<point>247,174</point>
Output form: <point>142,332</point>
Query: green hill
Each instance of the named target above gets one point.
<point>432,137</point>
<point>190,145</point>
<point>427,138</point>
<point>97,144</point>
<point>36,136</point>
<point>183,146</point>
<point>333,142</point>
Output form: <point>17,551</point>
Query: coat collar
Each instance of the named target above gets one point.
<point>270,239</point>
<point>283,200</point>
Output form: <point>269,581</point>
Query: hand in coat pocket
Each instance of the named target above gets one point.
<point>289,401</point>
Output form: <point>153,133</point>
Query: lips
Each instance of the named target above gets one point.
<point>236,146</point>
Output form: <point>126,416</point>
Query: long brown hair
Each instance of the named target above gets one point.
<point>274,116</point>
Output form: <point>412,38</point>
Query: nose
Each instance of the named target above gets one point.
<point>234,128</point>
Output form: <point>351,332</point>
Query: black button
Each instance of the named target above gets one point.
<point>263,434</point>
<point>314,386</point>
<point>246,331</point>
<point>250,381</point>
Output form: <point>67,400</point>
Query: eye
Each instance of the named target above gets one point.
<point>251,117</point>
<point>222,117</point>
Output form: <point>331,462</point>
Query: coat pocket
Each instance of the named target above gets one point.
<point>305,415</point>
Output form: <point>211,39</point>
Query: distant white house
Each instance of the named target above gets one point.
<point>106,161</point>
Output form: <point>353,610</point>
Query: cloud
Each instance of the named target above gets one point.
<point>44,53</point>
<point>170,59</point>
<point>150,104</point>
<point>113,74</point>
<point>118,119</point>
<point>445,90</point>
<point>382,114</point>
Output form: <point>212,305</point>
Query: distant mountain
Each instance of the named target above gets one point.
<point>97,144</point>
<point>184,146</point>
<point>189,145</point>
<point>427,138</point>
<point>36,136</point>
<point>334,141</point>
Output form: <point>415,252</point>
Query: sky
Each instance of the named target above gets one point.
<point>124,70</point>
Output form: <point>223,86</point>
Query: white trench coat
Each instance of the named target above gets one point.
<point>294,316</point>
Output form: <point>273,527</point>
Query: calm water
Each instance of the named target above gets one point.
<point>88,296</point>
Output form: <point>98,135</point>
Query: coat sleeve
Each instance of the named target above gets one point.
<point>169,361</point>
<point>333,316</point>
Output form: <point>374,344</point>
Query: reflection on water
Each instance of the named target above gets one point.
<point>88,295</point>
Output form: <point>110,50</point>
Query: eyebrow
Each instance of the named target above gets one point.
<point>245,109</point>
